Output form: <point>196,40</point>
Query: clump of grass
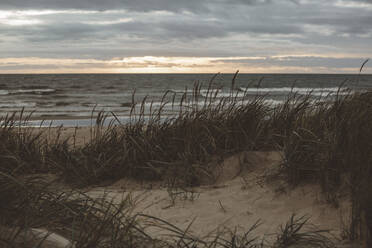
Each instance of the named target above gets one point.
<point>330,144</point>
<point>20,149</point>
<point>84,221</point>
<point>160,148</point>
<point>297,232</point>
<point>151,147</point>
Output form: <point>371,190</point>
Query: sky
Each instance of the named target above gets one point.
<point>185,36</point>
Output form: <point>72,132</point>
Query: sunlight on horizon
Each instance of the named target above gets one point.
<point>161,64</point>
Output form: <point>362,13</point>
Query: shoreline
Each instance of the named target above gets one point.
<point>65,121</point>
<point>81,121</point>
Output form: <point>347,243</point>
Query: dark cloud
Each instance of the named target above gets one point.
<point>137,5</point>
<point>178,27</point>
<point>306,61</point>
<point>356,24</point>
<point>363,1</point>
<point>17,67</point>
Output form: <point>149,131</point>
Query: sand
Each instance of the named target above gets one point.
<point>240,198</point>
<point>35,237</point>
<point>76,136</point>
<point>246,191</point>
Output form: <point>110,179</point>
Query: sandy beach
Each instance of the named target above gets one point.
<point>240,198</point>
<point>76,135</point>
<point>246,191</point>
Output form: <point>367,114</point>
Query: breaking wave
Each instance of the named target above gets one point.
<point>301,91</point>
<point>27,91</point>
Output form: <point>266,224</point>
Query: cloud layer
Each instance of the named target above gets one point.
<point>313,36</point>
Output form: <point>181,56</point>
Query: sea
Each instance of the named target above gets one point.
<point>75,99</point>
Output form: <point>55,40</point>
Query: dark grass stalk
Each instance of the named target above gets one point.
<point>297,232</point>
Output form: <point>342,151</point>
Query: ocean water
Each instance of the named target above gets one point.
<point>70,99</point>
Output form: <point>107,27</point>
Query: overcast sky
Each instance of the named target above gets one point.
<point>263,36</point>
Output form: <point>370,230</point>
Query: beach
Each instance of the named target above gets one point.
<point>239,199</point>
<point>240,170</point>
<point>185,124</point>
<point>245,192</point>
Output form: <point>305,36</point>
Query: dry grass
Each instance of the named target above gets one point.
<point>31,204</point>
<point>327,142</point>
<point>330,144</point>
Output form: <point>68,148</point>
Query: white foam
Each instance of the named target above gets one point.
<point>221,94</point>
<point>4,92</point>
<point>26,91</point>
<point>296,90</point>
<point>17,104</point>
<point>32,91</point>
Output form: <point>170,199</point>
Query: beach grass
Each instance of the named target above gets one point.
<point>324,141</point>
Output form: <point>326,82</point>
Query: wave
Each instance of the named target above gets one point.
<point>301,91</point>
<point>4,92</point>
<point>62,104</point>
<point>279,91</point>
<point>17,104</point>
<point>282,91</point>
<point>201,103</point>
<point>33,91</point>
<point>27,91</point>
<point>220,94</point>
<point>100,105</point>
<point>33,87</point>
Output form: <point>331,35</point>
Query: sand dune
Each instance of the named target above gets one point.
<point>241,196</point>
